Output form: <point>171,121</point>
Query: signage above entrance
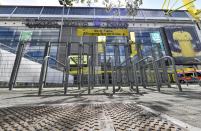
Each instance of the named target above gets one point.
<point>101,32</point>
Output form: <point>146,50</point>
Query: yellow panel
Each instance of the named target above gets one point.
<point>101,43</point>
<point>133,45</point>
<point>74,59</point>
<point>132,36</point>
<point>101,32</point>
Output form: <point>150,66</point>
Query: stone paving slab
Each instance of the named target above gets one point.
<point>83,117</point>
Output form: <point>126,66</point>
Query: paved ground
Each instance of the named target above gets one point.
<point>185,106</point>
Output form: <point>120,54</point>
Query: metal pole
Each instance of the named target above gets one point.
<point>155,66</point>
<point>62,23</point>
<point>135,78</point>
<point>80,65</point>
<point>16,66</point>
<point>67,68</point>
<point>44,68</point>
<point>89,75</point>
<point>113,75</point>
<point>175,73</point>
<point>165,71</point>
<point>174,70</point>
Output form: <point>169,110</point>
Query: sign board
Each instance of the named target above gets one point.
<point>101,32</point>
<point>74,60</point>
<point>155,37</point>
<point>25,36</point>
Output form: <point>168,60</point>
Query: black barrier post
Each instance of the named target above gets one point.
<point>16,65</point>
<point>44,68</point>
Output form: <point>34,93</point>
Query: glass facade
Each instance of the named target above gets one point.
<point>28,10</point>
<point>153,13</point>
<point>81,11</point>
<point>6,9</point>
<point>34,49</point>
<point>52,11</point>
<point>89,11</point>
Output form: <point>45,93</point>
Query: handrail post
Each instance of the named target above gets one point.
<point>165,73</point>
<point>175,73</point>
<point>106,73</point>
<point>43,74</point>
<point>174,70</point>
<point>135,78</point>
<point>44,68</point>
<point>113,76</point>
<point>67,69</point>
<point>156,75</point>
<point>16,66</point>
<point>89,75</point>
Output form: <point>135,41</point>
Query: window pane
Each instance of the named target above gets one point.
<point>81,11</point>
<point>28,10</point>
<point>52,10</point>
<point>124,12</point>
<point>6,10</point>
<point>103,11</point>
<point>179,14</point>
<point>153,13</point>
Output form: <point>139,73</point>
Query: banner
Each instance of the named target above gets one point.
<point>184,44</point>
<point>101,32</point>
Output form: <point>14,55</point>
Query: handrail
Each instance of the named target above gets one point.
<point>174,68</point>
<point>148,57</point>
<point>198,60</point>
<point>130,58</point>
<point>155,69</point>
<point>49,57</point>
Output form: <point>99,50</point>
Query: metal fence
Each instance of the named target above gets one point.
<point>82,68</point>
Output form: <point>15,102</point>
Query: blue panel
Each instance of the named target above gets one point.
<point>52,10</point>
<point>81,11</point>
<point>6,10</point>
<point>28,10</point>
<point>105,12</point>
<point>153,13</point>
<point>181,14</point>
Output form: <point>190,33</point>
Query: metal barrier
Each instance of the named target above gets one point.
<point>199,82</point>
<point>139,67</point>
<point>121,71</point>
<point>44,73</point>
<point>165,73</point>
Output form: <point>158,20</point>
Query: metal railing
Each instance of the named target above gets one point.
<point>141,64</point>
<point>174,69</point>
<point>44,73</point>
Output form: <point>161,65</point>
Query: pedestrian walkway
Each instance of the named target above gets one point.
<point>23,109</point>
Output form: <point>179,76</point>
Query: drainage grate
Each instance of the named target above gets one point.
<point>85,117</point>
